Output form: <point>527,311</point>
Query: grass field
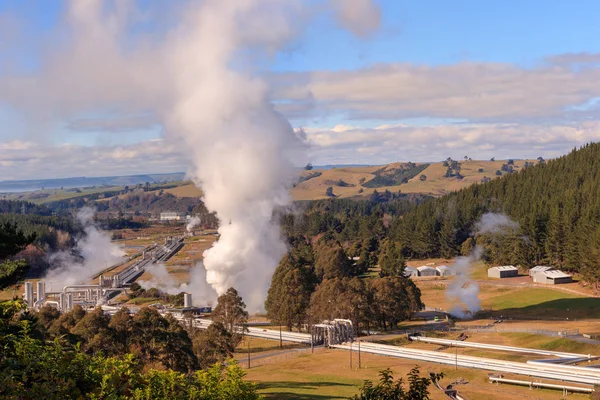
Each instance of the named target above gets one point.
<point>518,301</point>
<point>327,375</point>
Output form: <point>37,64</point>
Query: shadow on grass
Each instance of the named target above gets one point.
<point>291,386</point>
<point>559,309</point>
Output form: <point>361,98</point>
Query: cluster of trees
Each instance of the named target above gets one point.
<point>556,204</point>
<point>349,220</point>
<point>395,176</point>
<point>453,168</point>
<point>32,367</point>
<point>12,241</point>
<point>148,202</point>
<point>318,282</point>
<point>50,232</point>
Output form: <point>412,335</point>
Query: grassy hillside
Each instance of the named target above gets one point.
<point>345,181</point>
<point>436,183</point>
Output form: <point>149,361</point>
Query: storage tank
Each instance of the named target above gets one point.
<point>41,290</point>
<point>69,301</point>
<point>28,295</point>
<point>187,300</point>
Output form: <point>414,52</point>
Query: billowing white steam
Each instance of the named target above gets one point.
<point>202,293</point>
<point>95,250</point>
<point>463,292</point>
<point>495,223</point>
<point>192,223</point>
<point>244,153</point>
<point>202,82</point>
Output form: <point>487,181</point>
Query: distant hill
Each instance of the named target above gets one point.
<point>435,179</point>
<point>81,182</point>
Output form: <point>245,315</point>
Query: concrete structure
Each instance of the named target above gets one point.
<point>410,272</point>
<point>539,268</point>
<point>506,271</point>
<point>171,216</point>
<point>552,277</point>
<point>444,270</point>
<point>425,270</point>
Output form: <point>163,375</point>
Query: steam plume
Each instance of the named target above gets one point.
<point>463,291</point>
<point>203,294</point>
<point>93,252</point>
<point>192,223</point>
<point>201,81</point>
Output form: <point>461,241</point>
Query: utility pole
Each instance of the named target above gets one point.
<point>359,354</point>
<point>248,339</point>
<point>456,358</point>
<point>280,339</point>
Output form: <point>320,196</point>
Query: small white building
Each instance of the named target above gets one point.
<point>425,270</point>
<point>539,268</point>
<point>552,277</point>
<point>505,271</point>
<point>410,272</point>
<point>444,270</point>
<point>171,216</point>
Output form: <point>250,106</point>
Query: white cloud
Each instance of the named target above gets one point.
<point>433,143</point>
<point>472,91</point>
<point>37,161</point>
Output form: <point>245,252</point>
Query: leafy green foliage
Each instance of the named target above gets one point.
<point>11,272</point>
<point>391,260</point>
<point>32,369</point>
<point>388,389</point>
<point>230,312</point>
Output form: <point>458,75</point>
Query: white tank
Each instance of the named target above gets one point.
<point>28,295</point>
<point>187,299</point>
<point>41,290</point>
<point>69,301</point>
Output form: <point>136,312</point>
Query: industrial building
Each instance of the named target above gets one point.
<point>444,270</point>
<point>427,271</point>
<point>552,277</point>
<point>505,271</point>
<point>410,272</point>
<point>539,268</point>
<point>172,216</point>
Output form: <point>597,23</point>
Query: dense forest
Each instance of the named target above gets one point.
<point>556,205</point>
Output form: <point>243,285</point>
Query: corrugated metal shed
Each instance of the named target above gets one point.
<point>539,268</point>
<point>552,277</point>
<point>425,270</point>
<point>410,271</point>
<point>444,270</point>
<point>503,271</point>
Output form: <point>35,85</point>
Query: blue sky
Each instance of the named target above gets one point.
<point>492,78</point>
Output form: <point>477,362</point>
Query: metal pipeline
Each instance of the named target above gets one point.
<point>542,385</point>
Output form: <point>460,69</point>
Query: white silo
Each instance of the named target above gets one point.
<point>187,300</point>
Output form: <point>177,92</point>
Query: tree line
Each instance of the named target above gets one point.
<point>556,205</point>
<point>316,282</point>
